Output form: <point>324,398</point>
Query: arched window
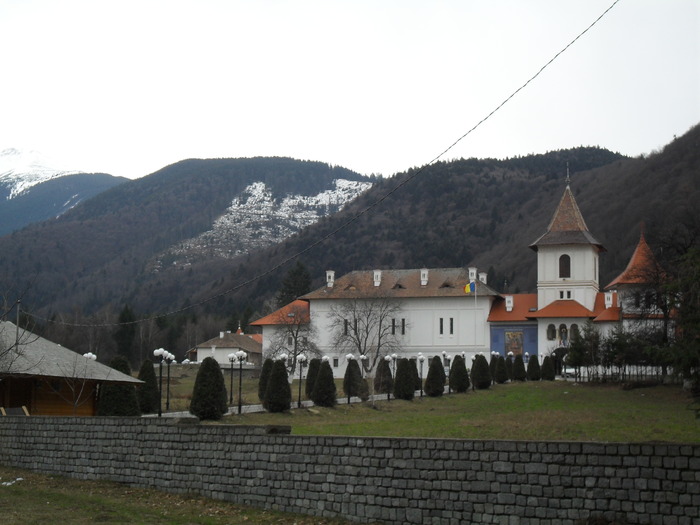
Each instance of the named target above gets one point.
<point>551,332</point>
<point>563,334</point>
<point>564,266</point>
<point>574,332</point>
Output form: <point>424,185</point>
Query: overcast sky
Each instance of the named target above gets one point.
<point>127,87</point>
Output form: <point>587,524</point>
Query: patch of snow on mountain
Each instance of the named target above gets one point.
<point>20,170</point>
<point>255,220</point>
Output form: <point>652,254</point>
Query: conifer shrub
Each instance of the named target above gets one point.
<point>404,381</point>
<point>509,367</point>
<point>519,373</point>
<point>324,392</point>
<point>501,372</point>
<point>209,392</point>
<point>414,373</point>
<point>352,381</point>
<point>548,373</point>
<point>481,373</point>
<point>364,389</point>
<point>264,378</point>
<point>459,378</point>
<point>148,394</point>
<point>278,394</point>
<point>492,366</point>
<point>383,382</point>
<point>118,399</point>
<point>533,369</point>
<point>311,374</point>
<point>435,380</point>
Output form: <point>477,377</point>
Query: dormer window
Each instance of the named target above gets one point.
<point>564,267</point>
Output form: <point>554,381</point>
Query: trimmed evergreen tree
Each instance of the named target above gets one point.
<point>278,394</point>
<point>383,382</point>
<point>148,393</point>
<point>519,373</point>
<point>416,376</point>
<point>481,373</point>
<point>324,392</point>
<point>501,372</point>
<point>404,380</point>
<point>548,373</point>
<point>264,378</point>
<point>118,399</point>
<point>352,381</point>
<point>492,366</point>
<point>509,367</point>
<point>364,389</point>
<point>435,380</point>
<point>311,374</point>
<point>533,369</point>
<point>209,394</point>
<point>459,378</point>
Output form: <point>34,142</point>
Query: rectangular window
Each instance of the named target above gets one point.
<point>452,326</point>
<point>393,327</point>
<point>441,326</point>
<point>403,326</point>
<point>568,294</point>
<point>290,341</point>
<point>346,327</point>
<point>335,362</point>
<point>561,294</point>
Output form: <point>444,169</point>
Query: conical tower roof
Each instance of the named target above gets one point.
<point>642,268</point>
<point>567,226</point>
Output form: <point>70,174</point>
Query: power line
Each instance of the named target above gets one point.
<point>368,208</point>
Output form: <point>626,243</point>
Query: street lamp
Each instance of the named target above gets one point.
<point>363,358</point>
<point>349,358</point>
<point>231,359</point>
<point>387,358</point>
<point>446,364</point>
<point>90,356</point>
<point>169,358</point>
<point>301,359</point>
<point>394,357</point>
<point>421,358</point>
<point>241,355</point>
<point>159,353</point>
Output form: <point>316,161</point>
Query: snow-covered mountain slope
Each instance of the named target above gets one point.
<point>255,220</point>
<point>20,170</point>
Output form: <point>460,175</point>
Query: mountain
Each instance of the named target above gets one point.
<point>188,220</point>
<point>32,191</point>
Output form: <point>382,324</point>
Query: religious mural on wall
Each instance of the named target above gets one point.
<point>514,342</point>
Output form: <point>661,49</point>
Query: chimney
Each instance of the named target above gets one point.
<point>472,273</point>
<point>483,276</point>
<point>377,277</point>
<point>509,303</point>
<point>424,277</point>
<point>330,278</point>
<point>221,335</point>
<point>608,300</point>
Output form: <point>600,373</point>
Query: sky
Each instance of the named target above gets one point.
<point>127,87</point>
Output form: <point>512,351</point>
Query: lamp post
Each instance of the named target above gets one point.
<point>231,359</point>
<point>169,358</point>
<point>301,359</point>
<point>394,357</point>
<point>349,358</point>
<point>387,358</point>
<point>241,355</point>
<point>159,353</point>
<point>421,358</point>
<point>90,356</point>
<point>446,364</point>
<point>363,358</point>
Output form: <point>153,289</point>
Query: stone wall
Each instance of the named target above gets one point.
<point>389,480</point>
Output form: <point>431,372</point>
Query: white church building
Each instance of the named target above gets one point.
<point>446,311</point>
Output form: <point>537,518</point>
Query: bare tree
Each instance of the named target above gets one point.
<point>13,338</point>
<point>295,336</point>
<point>367,326</point>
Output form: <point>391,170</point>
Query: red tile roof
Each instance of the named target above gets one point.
<point>563,308</point>
<point>523,304</point>
<point>641,269</point>
<point>296,309</point>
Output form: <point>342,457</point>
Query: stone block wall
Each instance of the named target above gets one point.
<point>387,480</point>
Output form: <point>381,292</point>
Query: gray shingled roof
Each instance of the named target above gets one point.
<point>40,357</point>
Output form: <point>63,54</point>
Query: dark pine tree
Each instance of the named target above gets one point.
<point>533,369</point>
<point>278,395</point>
<point>416,376</point>
<point>148,393</point>
<point>311,374</point>
<point>324,392</point>
<point>383,382</point>
<point>459,378</point>
<point>501,371</point>
<point>352,381</point>
<point>264,378</point>
<point>481,374</point>
<point>548,369</point>
<point>509,367</point>
<point>125,334</point>
<point>519,373</point>
<point>118,399</point>
<point>296,283</point>
<point>209,393</point>
<point>492,365</point>
<point>435,381</point>
<point>404,381</point>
